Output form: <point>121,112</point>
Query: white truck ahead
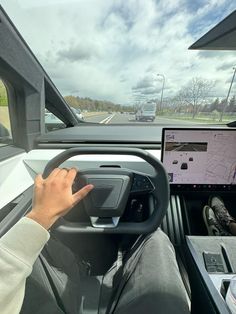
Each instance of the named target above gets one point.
<point>146,112</point>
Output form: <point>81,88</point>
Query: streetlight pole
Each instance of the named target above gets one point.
<point>162,90</point>
<point>227,97</point>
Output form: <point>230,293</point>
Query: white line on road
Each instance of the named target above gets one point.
<point>104,120</point>
<point>107,119</point>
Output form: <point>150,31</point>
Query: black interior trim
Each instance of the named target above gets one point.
<point>113,134</point>
<point>29,87</point>
<point>156,146</point>
<point>18,211</point>
<point>172,223</point>
<point>220,37</point>
<point>9,151</point>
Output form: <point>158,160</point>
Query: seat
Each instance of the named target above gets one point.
<point>59,284</point>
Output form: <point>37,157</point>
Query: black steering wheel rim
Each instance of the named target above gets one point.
<point>160,193</point>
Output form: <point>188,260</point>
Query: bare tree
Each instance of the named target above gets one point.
<point>227,98</point>
<point>195,93</point>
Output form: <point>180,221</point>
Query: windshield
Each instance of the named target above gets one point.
<point>108,58</point>
<point>149,107</point>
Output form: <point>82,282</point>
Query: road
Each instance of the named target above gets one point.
<point>118,118</point>
<point>191,147</point>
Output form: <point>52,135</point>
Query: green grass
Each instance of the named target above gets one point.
<point>3,95</point>
<point>4,114</point>
<point>4,117</point>
<point>201,118</point>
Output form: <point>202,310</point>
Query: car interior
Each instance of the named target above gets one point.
<point>143,178</point>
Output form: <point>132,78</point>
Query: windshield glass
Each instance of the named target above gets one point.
<point>149,107</point>
<point>109,58</point>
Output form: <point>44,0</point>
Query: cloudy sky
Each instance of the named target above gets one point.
<point>114,50</point>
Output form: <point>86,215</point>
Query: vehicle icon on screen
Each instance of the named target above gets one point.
<point>184,166</point>
<point>175,162</point>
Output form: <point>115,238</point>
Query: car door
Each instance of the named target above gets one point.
<point>25,91</point>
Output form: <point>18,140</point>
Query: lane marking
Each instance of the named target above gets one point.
<point>107,119</point>
<point>104,120</point>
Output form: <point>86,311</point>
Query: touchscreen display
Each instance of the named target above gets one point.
<point>201,156</point>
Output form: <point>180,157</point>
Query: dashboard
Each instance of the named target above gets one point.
<point>27,165</point>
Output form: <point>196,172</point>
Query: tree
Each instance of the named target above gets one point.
<point>227,97</point>
<point>95,105</point>
<point>195,93</point>
<point>232,105</point>
<point>3,94</point>
<point>215,105</point>
<point>222,105</point>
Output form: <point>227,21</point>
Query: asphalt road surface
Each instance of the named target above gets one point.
<point>191,147</point>
<point>118,118</point>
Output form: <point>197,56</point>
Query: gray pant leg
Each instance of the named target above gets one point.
<point>155,285</point>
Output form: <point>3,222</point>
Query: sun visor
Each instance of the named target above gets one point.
<point>221,37</point>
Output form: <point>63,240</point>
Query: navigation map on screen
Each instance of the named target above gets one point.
<point>200,156</point>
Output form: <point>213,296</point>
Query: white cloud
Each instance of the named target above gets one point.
<point>105,48</point>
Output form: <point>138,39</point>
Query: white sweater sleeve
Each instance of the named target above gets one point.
<point>19,248</point>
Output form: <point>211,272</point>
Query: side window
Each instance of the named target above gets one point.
<point>5,127</point>
<point>52,123</point>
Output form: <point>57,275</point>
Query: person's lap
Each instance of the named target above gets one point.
<point>150,281</point>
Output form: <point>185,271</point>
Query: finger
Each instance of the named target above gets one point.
<point>78,196</point>
<point>54,173</point>
<point>62,174</point>
<point>38,180</point>
<point>71,174</point>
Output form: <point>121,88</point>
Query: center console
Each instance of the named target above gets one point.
<point>212,263</point>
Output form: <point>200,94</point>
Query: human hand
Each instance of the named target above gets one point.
<point>53,196</point>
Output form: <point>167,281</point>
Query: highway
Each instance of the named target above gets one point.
<point>118,118</point>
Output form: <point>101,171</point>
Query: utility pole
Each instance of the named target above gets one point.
<point>227,98</point>
<point>162,90</point>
